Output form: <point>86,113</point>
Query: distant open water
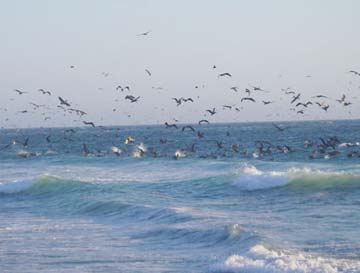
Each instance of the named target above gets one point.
<point>216,210</point>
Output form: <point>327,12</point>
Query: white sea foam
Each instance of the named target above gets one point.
<point>261,259</point>
<point>250,178</point>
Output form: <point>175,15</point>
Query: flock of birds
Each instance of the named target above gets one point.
<point>262,148</point>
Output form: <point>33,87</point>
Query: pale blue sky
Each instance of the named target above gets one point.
<point>273,44</point>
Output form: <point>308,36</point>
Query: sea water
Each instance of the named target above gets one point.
<point>214,210</point>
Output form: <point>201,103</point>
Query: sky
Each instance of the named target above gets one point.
<point>308,46</point>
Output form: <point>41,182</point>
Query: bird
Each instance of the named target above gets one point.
<point>188,99</point>
<point>188,127</point>
<point>132,98</point>
<point>178,101</point>
<point>203,121</point>
<point>227,106</point>
<point>342,100</point>
<point>63,102</point>
<point>247,98</point>
<point>129,140</point>
<point>170,125</point>
<point>224,74</point>
<point>144,33</point>
<point>278,127</point>
<point>212,112</point>
<point>319,96</point>
<point>304,104</point>
<point>19,91</point>
<point>148,72</point>
<point>89,123</point>
<point>44,92</point>
<point>323,105</point>
<point>234,88</point>
<point>295,98</point>
<point>259,89</point>
<point>266,102</point>
<point>354,72</point>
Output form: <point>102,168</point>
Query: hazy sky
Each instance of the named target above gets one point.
<point>272,44</point>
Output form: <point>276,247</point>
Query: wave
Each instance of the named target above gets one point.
<point>232,234</point>
<point>84,198</point>
<point>260,258</point>
<point>251,179</point>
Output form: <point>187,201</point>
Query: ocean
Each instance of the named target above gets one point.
<point>246,197</point>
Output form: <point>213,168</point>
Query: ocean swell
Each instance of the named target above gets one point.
<point>251,178</point>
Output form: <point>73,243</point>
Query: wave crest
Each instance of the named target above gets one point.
<point>264,260</point>
<point>252,178</point>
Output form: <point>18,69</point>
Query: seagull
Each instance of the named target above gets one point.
<point>170,125</point>
<point>248,98</point>
<point>200,134</point>
<point>323,105</point>
<point>188,127</point>
<point>188,99</point>
<point>19,91</point>
<point>320,96</point>
<point>234,88</point>
<point>258,89</point>
<point>132,98</point>
<point>267,102</point>
<point>129,140</point>
<point>144,33</point>
<point>227,106</point>
<point>224,74</point>
<point>44,92</point>
<point>203,121</point>
<point>304,104</point>
<point>212,112</point>
<point>295,98</point>
<point>178,101</point>
<point>64,102</point>
<point>278,127</point>
<point>148,72</point>
<point>355,72</point>
<point>342,100</point>
<point>89,123</point>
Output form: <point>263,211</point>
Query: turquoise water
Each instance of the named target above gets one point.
<point>220,208</point>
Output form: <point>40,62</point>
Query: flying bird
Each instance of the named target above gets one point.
<point>144,33</point>
<point>354,72</point>
<point>203,121</point>
<point>45,92</point>
<point>63,102</point>
<point>295,98</point>
<point>132,98</point>
<point>148,72</point>
<point>188,127</point>
<point>170,125</point>
<point>224,74</point>
<point>89,123</point>
<point>248,98</point>
<point>19,91</point>
<point>212,112</point>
